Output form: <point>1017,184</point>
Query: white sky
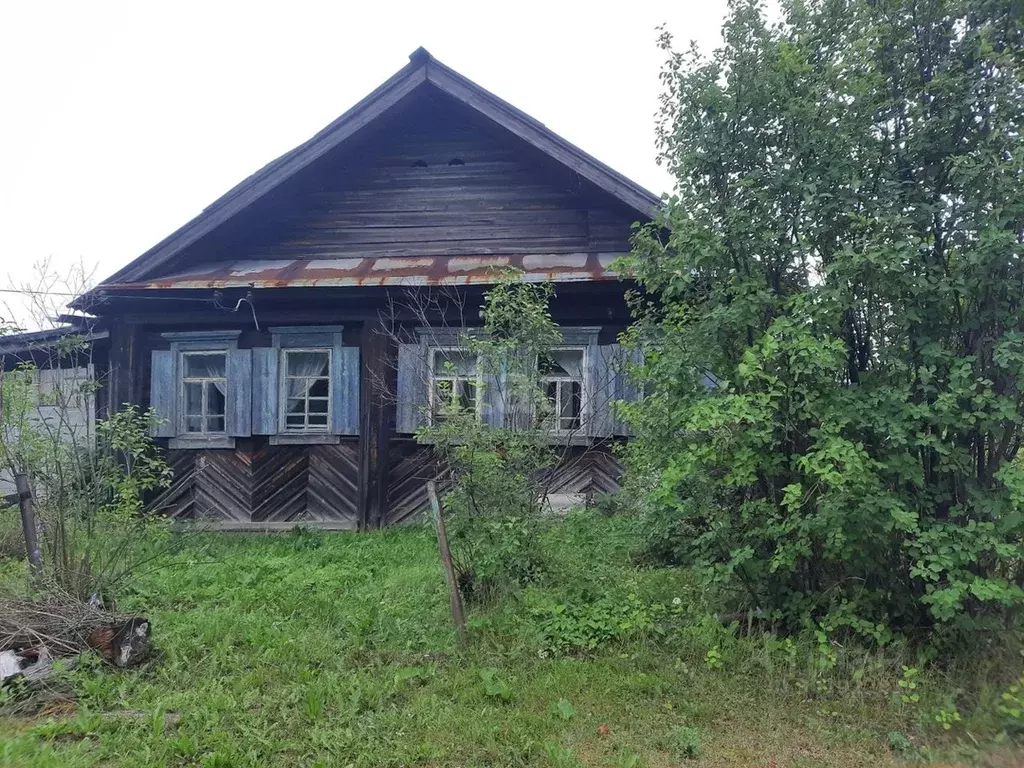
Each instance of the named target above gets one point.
<point>120,121</point>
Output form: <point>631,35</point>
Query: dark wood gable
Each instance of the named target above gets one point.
<point>433,179</point>
<point>385,179</point>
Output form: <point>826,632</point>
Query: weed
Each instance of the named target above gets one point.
<point>947,717</point>
<point>686,742</point>
<point>494,685</point>
<point>908,686</point>
<point>713,659</point>
<point>562,709</point>
<point>899,743</point>
<point>559,756</point>
<point>1011,707</point>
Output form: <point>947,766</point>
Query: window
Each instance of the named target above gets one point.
<point>562,379</point>
<point>454,382</point>
<point>306,390</point>
<point>204,392</point>
<point>62,387</point>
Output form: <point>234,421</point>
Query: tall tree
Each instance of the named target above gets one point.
<point>844,253</point>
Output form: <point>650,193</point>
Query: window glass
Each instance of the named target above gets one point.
<point>455,382</point>
<point>562,381</point>
<point>204,390</point>
<point>307,389</point>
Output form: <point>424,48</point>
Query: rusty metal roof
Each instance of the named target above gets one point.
<point>385,271</point>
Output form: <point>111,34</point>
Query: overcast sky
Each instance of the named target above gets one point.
<point>121,121</point>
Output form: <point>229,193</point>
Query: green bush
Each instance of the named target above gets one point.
<point>844,255</point>
<point>581,625</point>
<point>686,742</point>
<point>499,472</point>
<point>89,488</point>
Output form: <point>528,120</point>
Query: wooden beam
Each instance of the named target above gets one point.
<point>123,383</point>
<point>28,527</point>
<point>262,526</point>
<point>377,370</point>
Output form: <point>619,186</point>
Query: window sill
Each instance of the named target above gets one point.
<point>552,439</point>
<point>189,442</point>
<point>312,438</point>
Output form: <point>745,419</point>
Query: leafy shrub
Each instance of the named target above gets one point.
<point>89,488</point>
<point>847,262</point>
<point>609,504</point>
<point>582,625</point>
<point>686,743</point>
<point>500,472</point>
<point>492,529</point>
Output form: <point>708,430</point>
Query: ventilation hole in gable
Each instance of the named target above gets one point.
<point>419,164</point>
<point>456,161</point>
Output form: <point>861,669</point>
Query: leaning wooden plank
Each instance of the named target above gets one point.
<point>446,560</point>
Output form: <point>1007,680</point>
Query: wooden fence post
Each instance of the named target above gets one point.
<point>28,525</point>
<point>446,561</point>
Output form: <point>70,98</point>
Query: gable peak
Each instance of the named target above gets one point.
<point>420,56</point>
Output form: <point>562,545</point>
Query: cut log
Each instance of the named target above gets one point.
<point>123,646</point>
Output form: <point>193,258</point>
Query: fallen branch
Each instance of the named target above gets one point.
<point>63,626</point>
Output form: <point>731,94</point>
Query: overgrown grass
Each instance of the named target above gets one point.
<point>335,650</point>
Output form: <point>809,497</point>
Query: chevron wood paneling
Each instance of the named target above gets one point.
<point>223,485</point>
<point>332,485</point>
<point>320,483</point>
<point>178,500</point>
<point>412,466</point>
<point>279,474</point>
<point>588,472</point>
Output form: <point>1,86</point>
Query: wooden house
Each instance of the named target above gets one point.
<point>57,366</point>
<point>264,330</point>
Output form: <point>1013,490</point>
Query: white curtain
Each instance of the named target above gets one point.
<point>570,361</point>
<point>213,366</point>
<point>307,366</point>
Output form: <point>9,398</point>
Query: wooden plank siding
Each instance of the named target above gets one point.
<point>435,180</point>
<point>270,486</point>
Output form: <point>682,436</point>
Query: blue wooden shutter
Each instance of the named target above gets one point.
<point>601,365</point>
<point>239,396</point>
<point>344,389</point>
<point>626,388</point>
<point>411,392</point>
<point>493,414</point>
<point>265,390</point>
<point>519,405</point>
<point>163,388</point>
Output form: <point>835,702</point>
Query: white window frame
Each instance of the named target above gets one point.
<point>204,380</point>
<point>283,413</point>
<point>433,378</point>
<point>584,389</point>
